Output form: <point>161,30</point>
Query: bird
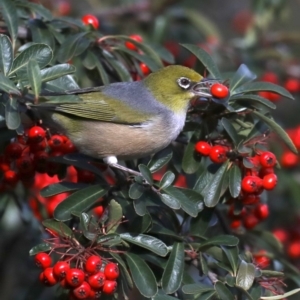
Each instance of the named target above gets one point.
<point>127,120</point>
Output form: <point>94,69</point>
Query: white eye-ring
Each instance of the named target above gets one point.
<point>184,82</point>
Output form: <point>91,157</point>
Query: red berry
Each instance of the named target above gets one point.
<point>289,159</point>
<point>250,221</point>
<point>293,250</point>
<point>93,264</point>
<point>83,291</point>
<point>270,181</point>
<point>270,77</point>
<point>68,147</point>
<point>111,271</point>
<point>267,159</point>
<point>98,211</point>
<point>36,147</point>
<point>56,142</point>
<point>75,277</point>
<point>36,134</point>
<point>248,199</point>
<point>90,20</point>
<point>266,171</point>
<point>13,150</point>
<point>96,281</point>
<point>251,184</point>
<point>219,90</point>
<point>144,68</point>
<point>25,164</point>
<point>135,37</point>
<point>109,287</point>
<point>47,277</point>
<point>261,260</point>
<point>85,176</point>
<point>292,85</point>
<point>95,294</point>
<point>43,260</point>
<point>10,177</point>
<point>203,148</point>
<point>235,224</point>
<point>218,154</point>
<point>281,234</point>
<point>41,161</point>
<point>60,269</point>
<point>261,211</point>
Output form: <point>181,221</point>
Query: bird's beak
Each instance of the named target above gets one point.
<point>202,88</point>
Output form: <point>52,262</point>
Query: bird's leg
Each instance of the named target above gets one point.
<point>112,161</point>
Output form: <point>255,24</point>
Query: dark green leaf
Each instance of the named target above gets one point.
<point>230,131</point>
<point>79,201</point>
<point>41,33</point>
<point>6,54</point>
<point>191,163</point>
<point>142,275</point>
<point>263,86</point>
<point>34,77</point>
<point>232,254</point>
<point>157,163</point>
<point>207,296</point>
<point>167,179</point>
<point>59,227</point>
<point>271,273</point>
<point>62,84</point>
<point>146,173</point>
<point>170,201</point>
<point>10,16</point>
<point>163,297</point>
<point>38,9</point>
<point>203,180</point>
<point>61,187</point>
<point>205,59</point>
<point>56,71</point>
<point>192,203</point>
<point>124,268</point>
<point>115,215</point>
<point>224,240</point>
<point>12,115</point>
<point>44,247</point>
<point>245,275</point>
<point>172,276</point>
<point>196,288</point>
<point>148,242</point>
<point>223,292</point>
<point>249,98</point>
<point>140,206</point>
<point>6,85</point>
<point>142,224</point>
<point>274,126</point>
<point>40,52</point>
<point>135,191</point>
<point>203,264</point>
<point>110,239</point>
<point>235,178</point>
<point>255,292</point>
<point>242,76</point>
<point>212,192</point>
<point>163,53</point>
<point>85,222</point>
<point>200,224</point>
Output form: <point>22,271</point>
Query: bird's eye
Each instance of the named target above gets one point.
<point>184,82</point>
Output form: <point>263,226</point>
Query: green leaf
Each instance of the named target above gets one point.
<point>156,163</point>
<point>200,224</point>
<point>44,247</point>
<point>163,297</point>
<point>290,293</point>
<point>39,52</point>
<point>34,77</point>
<point>135,191</point>
<point>172,276</point>
<point>142,275</point>
<point>115,215</point>
<point>224,240</point>
<point>263,86</point>
<point>110,239</point>
<point>190,162</point>
<point>196,288</point>
<point>242,76</point>
<point>6,85</point>
<point>6,54</point>
<point>79,201</point>
<point>246,275</point>
<point>56,71</point>
<point>192,203</point>
<point>41,34</point>
<point>170,201</point>
<point>223,292</point>
<point>205,59</point>
<point>146,173</point>
<point>61,187</point>
<point>38,9</point>
<point>124,268</point>
<point>249,98</point>
<point>203,180</point>
<point>207,296</point>
<point>146,241</point>
<point>12,115</point>
<point>230,131</point>
<point>276,128</point>
<point>212,192</point>
<point>167,179</point>
<point>235,178</point>
<point>59,227</point>
<point>232,254</point>
<point>140,207</point>
<point>10,16</point>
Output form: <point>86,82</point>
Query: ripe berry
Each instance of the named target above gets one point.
<point>261,211</point>
<point>261,260</point>
<point>10,177</point>
<point>83,291</point>
<point>96,281</point>
<point>95,294</point>
<point>98,210</point>
<point>265,171</point>
<point>267,159</point>
<point>36,134</point>
<point>56,142</point>
<point>203,148</point>
<point>43,260</point>
<point>293,250</point>
<point>109,287</point>
<point>90,20</point>
<point>270,181</point>
<point>60,269</point>
<point>292,85</point>
<point>281,234</point>
<point>135,37</point>
<point>47,277</point>
<point>111,271</point>
<point>85,176</point>
<point>270,77</point>
<point>250,221</point>
<point>219,90</point>
<point>13,150</point>
<point>248,199</point>
<point>289,159</point>
<point>93,264</point>
<point>68,147</point>
<point>235,224</point>
<point>75,277</point>
<point>251,184</point>
<point>218,154</point>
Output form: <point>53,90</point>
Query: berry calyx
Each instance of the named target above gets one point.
<point>251,184</point>
<point>109,287</point>
<point>43,260</point>
<point>203,148</point>
<point>90,20</point>
<point>218,154</point>
<point>97,280</point>
<point>36,134</point>
<point>93,264</point>
<point>132,46</point>
<point>270,181</point>
<point>60,269</point>
<point>219,91</point>
<point>111,271</point>
<point>267,159</point>
<point>83,291</point>
<point>75,277</point>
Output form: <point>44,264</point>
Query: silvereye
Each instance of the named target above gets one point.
<point>128,120</point>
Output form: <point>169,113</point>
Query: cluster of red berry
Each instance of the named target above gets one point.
<point>94,277</point>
